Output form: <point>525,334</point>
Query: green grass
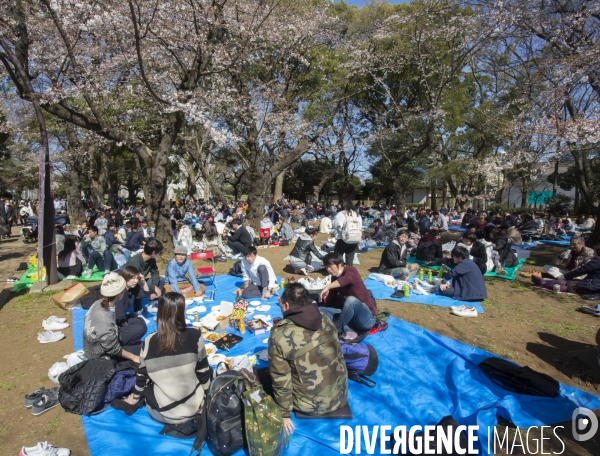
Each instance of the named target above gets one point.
<point>53,424</point>
<point>7,386</point>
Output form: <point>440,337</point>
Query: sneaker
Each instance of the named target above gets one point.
<point>350,335</point>
<point>44,449</point>
<point>466,312</point>
<point>12,280</point>
<point>71,277</point>
<point>457,307</point>
<point>48,336</point>
<point>592,297</point>
<point>53,319</point>
<point>48,401</point>
<point>87,274</point>
<point>32,398</point>
<point>54,325</point>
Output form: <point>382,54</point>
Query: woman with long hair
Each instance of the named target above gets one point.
<point>70,260</point>
<point>342,219</point>
<point>100,330</point>
<point>174,373</point>
<point>213,241</point>
<point>131,327</point>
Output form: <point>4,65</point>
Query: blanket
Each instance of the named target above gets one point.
<point>510,272</point>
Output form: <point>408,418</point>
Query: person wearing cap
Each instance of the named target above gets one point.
<point>101,336</point>
<point>180,276</point>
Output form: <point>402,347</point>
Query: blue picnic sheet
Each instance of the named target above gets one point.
<point>554,242</point>
<point>456,228</point>
<point>381,291</point>
<point>422,377</point>
<point>531,246</point>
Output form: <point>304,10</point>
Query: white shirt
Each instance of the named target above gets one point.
<point>250,271</point>
<point>326,225</point>
<point>340,223</point>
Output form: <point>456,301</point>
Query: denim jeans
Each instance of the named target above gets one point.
<point>104,261</point>
<point>354,315</point>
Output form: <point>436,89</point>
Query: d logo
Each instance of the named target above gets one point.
<point>585,424</point>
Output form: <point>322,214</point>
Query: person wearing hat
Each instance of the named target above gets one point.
<point>101,336</point>
<point>177,273</point>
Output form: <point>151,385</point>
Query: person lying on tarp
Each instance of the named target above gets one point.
<point>306,364</point>
<point>467,280</point>
<point>346,300</point>
<point>583,280</point>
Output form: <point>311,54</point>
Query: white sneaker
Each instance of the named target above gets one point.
<point>71,277</point>
<point>87,274</point>
<point>457,307</point>
<point>152,308</point>
<point>49,336</point>
<point>53,319</point>
<point>466,312</point>
<point>55,326</point>
<point>44,449</point>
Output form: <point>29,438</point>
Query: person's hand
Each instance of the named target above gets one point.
<point>136,359</point>
<point>443,286</point>
<point>324,295</point>
<point>187,290</point>
<point>288,426</point>
<point>141,277</point>
<point>413,266</point>
<point>198,293</point>
<point>132,399</point>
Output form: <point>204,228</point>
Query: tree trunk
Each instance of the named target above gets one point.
<point>131,189</point>
<point>278,192</point>
<point>555,180</point>
<point>445,196</point>
<point>191,179</point>
<point>257,199</point>
<point>594,239</point>
<point>434,198</point>
<point>399,196</point>
<point>99,170</point>
<point>145,186</point>
<point>524,191</point>
<point>76,210</point>
<point>576,201</point>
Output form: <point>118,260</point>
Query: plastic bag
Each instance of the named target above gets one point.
<point>56,369</point>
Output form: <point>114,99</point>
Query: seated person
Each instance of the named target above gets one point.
<point>145,262</point>
<point>413,237</point>
<point>259,277</point>
<point>70,260</point>
<point>147,230</point>
<point>489,249</point>
<point>576,256</point>
<point>467,280</point>
<point>212,240</point>
<point>326,223</point>
<point>100,330</point>
<point>267,223</point>
<point>286,232</point>
<point>583,280</point>
<point>295,385</point>
<point>184,235</point>
<point>134,240</point>
<point>481,223</point>
<point>379,233</point>
<point>505,257</point>
<point>346,300</point>
<point>131,327</point>
<point>477,252</point>
<point>429,249</point>
<point>174,374</point>
<point>240,239</point>
<point>513,234</point>
<point>391,227</point>
<point>100,256</point>
<point>301,255</point>
<point>246,224</point>
<point>439,224</point>
<point>112,238</point>
<point>122,233</point>
<point>175,275</point>
<point>393,258</point>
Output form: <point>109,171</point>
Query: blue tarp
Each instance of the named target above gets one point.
<point>456,228</point>
<point>533,245</point>
<point>422,377</point>
<point>555,242</point>
<point>381,291</point>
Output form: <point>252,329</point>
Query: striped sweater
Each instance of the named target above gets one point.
<point>174,383</point>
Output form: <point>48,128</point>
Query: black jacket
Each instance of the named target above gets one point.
<point>394,256</point>
<point>429,249</point>
<point>241,235</point>
<point>379,234</point>
<point>479,256</point>
<point>591,284</point>
<point>303,248</point>
<point>83,386</point>
<point>503,246</point>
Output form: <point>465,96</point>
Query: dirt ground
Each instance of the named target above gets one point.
<point>542,330</point>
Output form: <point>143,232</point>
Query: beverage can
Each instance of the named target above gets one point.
<point>212,295</point>
<point>556,288</point>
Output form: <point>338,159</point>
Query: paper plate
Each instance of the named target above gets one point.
<point>263,308</point>
<point>210,348</point>
<point>189,301</point>
<point>255,303</point>
<point>215,359</point>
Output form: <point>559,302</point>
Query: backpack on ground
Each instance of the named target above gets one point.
<point>361,361</point>
<point>521,380</point>
<point>352,228</point>
<point>236,270</point>
<point>225,414</point>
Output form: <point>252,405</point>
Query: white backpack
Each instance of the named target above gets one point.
<point>353,228</point>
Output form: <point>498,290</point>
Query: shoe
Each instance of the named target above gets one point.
<point>457,307</point>
<point>590,310</point>
<point>466,312</point>
<point>87,274</point>
<point>49,336</point>
<point>44,449</point>
<point>592,297</point>
<point>52,324</point>
<point>71,277</point>
<point>48,401</point>
<point>52,319</point>
<point>12,280</point>
<point>32,398</point>
<point>530,274</point>
<point>350,335</point>
<point>379,326</point>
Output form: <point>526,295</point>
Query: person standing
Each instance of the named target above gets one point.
<point>348,225</point>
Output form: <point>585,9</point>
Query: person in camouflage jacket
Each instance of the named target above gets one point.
<point>305,359</point>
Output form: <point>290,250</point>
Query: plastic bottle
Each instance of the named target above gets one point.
<point>421,274</point>
<point>242,327</point>
<point>196,316</point>
<point>237,296</point>
<point>406,290</point>
<point>430,276</point>
<point>282,285</point>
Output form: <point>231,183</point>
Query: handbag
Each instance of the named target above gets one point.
<point>265,433</point>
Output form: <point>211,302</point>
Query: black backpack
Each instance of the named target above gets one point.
<point>236,270</point>
<point>225,414</point>
<point>521,380</point>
